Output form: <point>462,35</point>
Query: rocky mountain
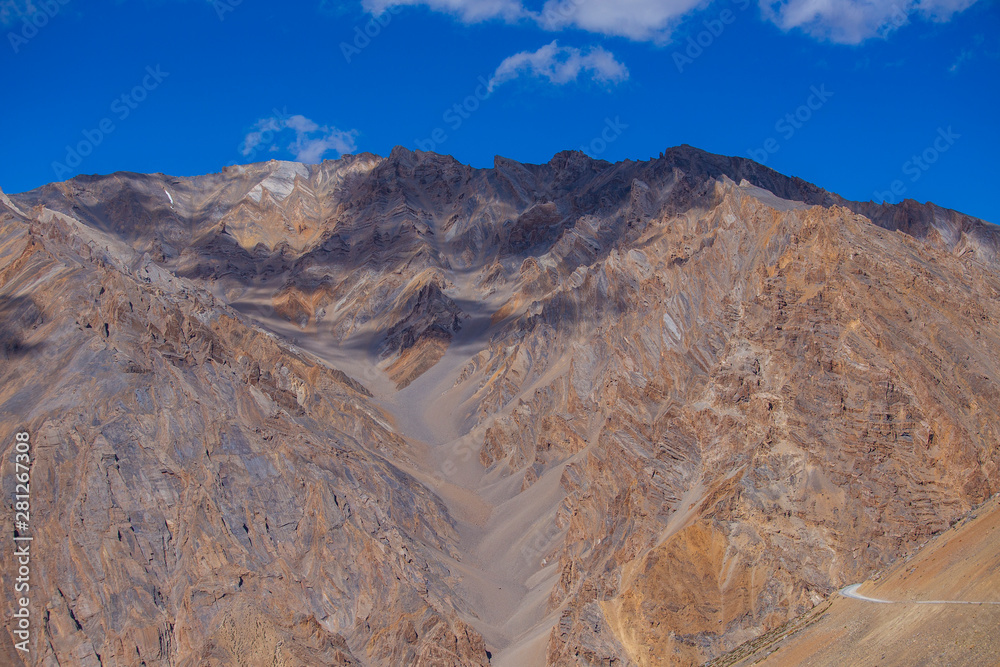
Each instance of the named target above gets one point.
<point>936,606</point>
<point>403,411</point>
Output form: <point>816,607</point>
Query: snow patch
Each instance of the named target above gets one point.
<point>168,196</point>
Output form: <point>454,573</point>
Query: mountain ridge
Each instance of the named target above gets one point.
<point>735,167</point>
<point>579,411</point>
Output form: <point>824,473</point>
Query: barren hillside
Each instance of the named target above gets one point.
<point>403,411</point>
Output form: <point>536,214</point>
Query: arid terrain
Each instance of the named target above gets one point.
<point>939,607</point>
<point>398,410</point>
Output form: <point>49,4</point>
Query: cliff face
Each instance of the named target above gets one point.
<point>402,411</point>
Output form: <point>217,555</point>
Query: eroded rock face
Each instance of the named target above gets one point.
<point>211,496</point>
<point>403,411</point>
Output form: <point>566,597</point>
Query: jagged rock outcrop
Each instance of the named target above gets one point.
<point>403,411</point>
<point>205,494</point>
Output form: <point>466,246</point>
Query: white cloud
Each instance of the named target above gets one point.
<point>310,143</point>
<point>942,10</point>
<point>265,128</point>
<point>853,21</point>
<point>639,20</point>
<point>470,11</point>
<point>312,149</point>
<point>561,65</point>
<point>842,21</point>
<point>301,124</point>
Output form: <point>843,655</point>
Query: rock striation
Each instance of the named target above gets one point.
<point>402,411</point>
<point>944,596</point>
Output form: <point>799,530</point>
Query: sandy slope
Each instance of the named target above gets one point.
<point>503,532</point>
<point>941,606</point>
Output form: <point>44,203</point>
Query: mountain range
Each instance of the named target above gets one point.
<point>399,410</point>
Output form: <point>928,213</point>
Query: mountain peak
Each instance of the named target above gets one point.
<point>611,394</point>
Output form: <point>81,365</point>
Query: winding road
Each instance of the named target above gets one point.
<point>852,592</point>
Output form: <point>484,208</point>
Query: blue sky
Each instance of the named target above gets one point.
<point>858,97</point>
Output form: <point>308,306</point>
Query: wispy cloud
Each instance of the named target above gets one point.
<point>854,21</point>
<point>975,50</point>
<point>470,11</point>
<point>841,21</point>
<point>310,143</point>
<point>966,54</point>
<point>561,65</point>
